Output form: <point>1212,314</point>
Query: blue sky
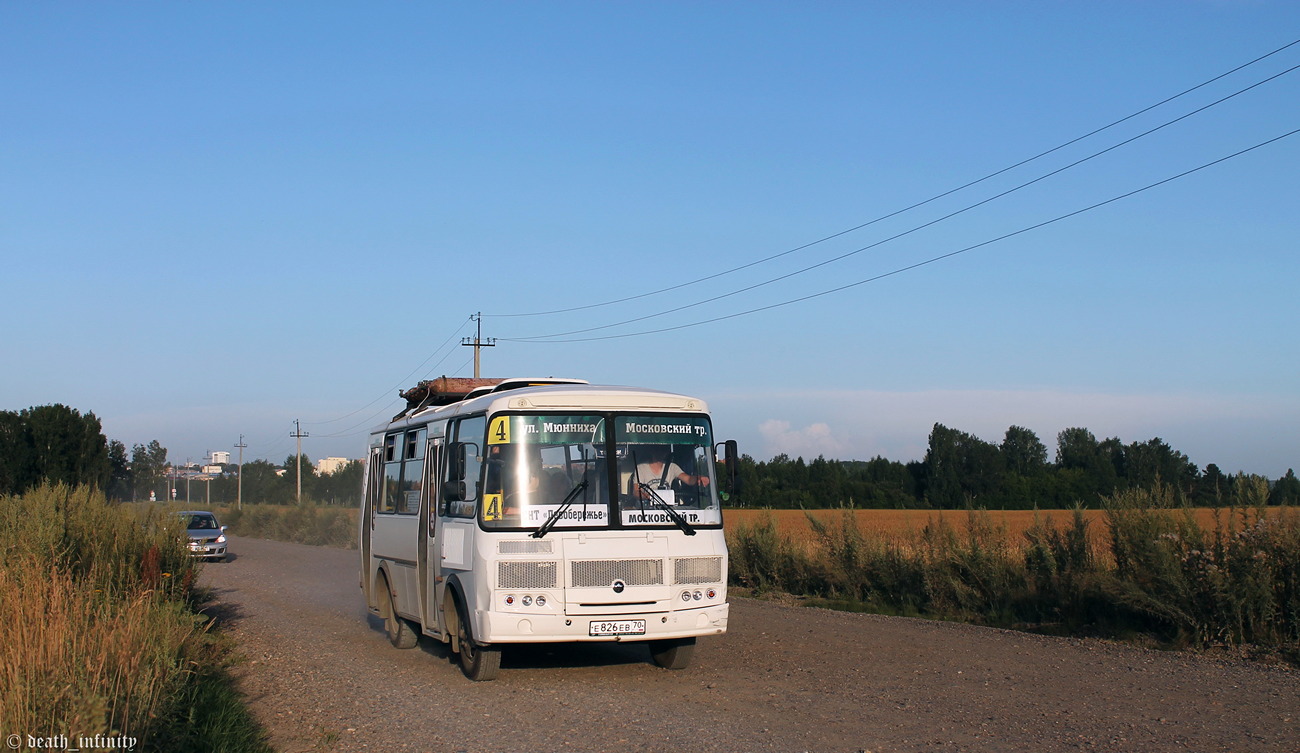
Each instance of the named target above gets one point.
<point>218,218</point>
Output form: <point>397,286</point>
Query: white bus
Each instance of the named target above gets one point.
<point>531,511</point>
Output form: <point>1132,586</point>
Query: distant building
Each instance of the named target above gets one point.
<point>220,458</point>
<point>326,466</point>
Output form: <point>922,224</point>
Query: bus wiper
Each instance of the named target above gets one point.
<point>545,528</point>
<point>662,505</point>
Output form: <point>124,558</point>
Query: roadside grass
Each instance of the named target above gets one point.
<point>306,524</point>
<point>1159,573</point>
<point>100,633</point>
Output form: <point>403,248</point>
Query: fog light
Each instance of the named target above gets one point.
<point>541,601</point>
<point>686,595</point>
<point>528,601</point>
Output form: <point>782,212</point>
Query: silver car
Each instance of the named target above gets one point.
<point>207,538</point>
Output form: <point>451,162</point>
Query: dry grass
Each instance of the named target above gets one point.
<point>79,662</point>
<point>98,629</point>
<point>1143,566</point>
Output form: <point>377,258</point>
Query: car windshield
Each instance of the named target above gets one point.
<point>199,522</point>
<point>560,471</point>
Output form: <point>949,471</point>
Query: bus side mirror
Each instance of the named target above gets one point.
<point>731,460</point>
<point>456,487</point>
<point>456,461</point>
<point>453,491</point>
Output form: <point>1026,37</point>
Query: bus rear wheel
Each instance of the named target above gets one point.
<point>672,653</point>
<point>479,663</point>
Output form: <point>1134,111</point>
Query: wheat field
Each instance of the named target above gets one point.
<point>795,525</point>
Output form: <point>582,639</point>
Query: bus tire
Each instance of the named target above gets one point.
<point>672,653</point>
<point>399,631</point>
<point>479,663</point>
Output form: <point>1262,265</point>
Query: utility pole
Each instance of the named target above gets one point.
<point>478,341</point>
<point>239,494</point>
<point>299,434</point>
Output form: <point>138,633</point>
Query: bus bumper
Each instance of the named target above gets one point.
<point>511,627</point>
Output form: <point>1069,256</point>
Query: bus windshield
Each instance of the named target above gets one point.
<point>599,471</point>
<point>666,471</point>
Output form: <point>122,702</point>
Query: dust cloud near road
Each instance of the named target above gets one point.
<point>322,677</point>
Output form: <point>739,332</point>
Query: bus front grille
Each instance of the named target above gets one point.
<point>526,546</point>
<point>526,574</point>
<point>693,570</point>
<point>598,573</point>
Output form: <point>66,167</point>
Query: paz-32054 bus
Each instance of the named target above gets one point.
<point>529,511</point>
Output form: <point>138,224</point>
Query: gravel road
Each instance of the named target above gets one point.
<point>321,676</point>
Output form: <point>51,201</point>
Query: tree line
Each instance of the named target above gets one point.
<point>960,470</point>
<point>58,444</point>
<point>268,483</point>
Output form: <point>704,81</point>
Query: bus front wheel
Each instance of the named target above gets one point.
<point>479,663</point>
<point>399,631</point>
<point>672,653</point>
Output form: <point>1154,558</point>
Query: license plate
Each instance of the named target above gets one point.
<point>618,627</point>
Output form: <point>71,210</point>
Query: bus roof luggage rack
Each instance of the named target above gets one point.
<point>446,390</point>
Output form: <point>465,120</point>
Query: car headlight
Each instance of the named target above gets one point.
<point>221,539</point>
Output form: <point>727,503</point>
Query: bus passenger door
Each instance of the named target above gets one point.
<point>369,501</point>
<point>429,566</point>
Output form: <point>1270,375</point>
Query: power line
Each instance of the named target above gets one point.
<point>908,208</point>
<point>788,275</point>
<point>405,380</point>
<point>366,424</point>
<point>934,259</point>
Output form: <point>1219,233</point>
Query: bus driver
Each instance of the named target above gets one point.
<point>656,470</point>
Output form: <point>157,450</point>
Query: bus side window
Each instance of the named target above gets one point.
<point>412,472</point>
<point>391,499</point>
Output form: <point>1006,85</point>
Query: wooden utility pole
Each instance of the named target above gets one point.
<point>299,434</point>
<point>478,342</point>
<point>239,493</point>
